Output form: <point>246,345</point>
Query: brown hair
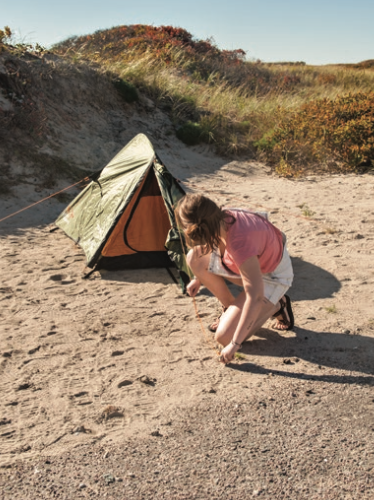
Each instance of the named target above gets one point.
<point>200,219</point>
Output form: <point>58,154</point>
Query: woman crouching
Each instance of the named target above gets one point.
<point>246,249</point>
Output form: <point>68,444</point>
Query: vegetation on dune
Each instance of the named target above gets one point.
<point>165,43</point>
<point>34,85</point>
<point>338,133</point>
<point>8,43</point>
<point>5,35</point>
<point>295,116</point>
<point>18,85</point>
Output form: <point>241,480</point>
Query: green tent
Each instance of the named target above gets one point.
<point>124,219</point>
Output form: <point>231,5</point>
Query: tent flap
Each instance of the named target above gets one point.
<point>89,219</point>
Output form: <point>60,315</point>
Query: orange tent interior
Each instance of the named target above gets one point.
<point>144,224</point>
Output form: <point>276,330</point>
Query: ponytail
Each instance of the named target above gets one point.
<point>200,219</point>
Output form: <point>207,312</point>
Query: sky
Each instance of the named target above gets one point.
<point>314,31</point>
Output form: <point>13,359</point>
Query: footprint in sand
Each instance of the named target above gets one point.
<point>58,277</point>
<point>74,291</point>
<point>34,350</point>
<point>124,383</point>
<point>68,281</point>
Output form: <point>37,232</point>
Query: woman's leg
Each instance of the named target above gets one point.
<point>230,319</point>
<point>216,284</point>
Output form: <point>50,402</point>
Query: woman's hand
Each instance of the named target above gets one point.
<point>193,287</point>
<point>228,353</point>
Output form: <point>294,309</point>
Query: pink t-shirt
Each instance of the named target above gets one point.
<point>251,235</point>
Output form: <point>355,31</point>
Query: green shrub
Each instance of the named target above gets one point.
<point>190,133</point>
<point>127,90</point>
<point>267,142</point>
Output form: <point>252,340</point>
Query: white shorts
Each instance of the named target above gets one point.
<point>276,283</point>
<point>279,281</point>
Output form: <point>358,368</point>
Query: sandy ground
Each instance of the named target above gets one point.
<point>110,388</point>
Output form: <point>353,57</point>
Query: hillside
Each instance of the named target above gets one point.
<point>293,116</point>
<point>244,107</point>
<point>58,120</point>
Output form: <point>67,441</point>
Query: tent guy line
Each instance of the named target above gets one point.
<point>206,190</point>
<point>43,199</point>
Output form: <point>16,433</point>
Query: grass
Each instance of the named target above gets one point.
<point>330,230</point>
<point>305,210</point>
<point>331,309</point>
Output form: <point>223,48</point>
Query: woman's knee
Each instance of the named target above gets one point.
<point>218,336</point>
<point>222,334</point>
<point>227,325</point>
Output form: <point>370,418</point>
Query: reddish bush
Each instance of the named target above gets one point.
<point>337,133</point>
<point>160,40</point>
<point>197,58</point>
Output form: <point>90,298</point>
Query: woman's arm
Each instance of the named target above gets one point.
<point>253,304</point>
<point>254,296</point>
<point>193,287</point>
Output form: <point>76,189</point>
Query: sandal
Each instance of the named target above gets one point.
<point>285,315</point>
<point>213,326</point>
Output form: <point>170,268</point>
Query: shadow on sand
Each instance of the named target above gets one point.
<point>353,353</point>
<point>310,282</point>
<point>152,275</point>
